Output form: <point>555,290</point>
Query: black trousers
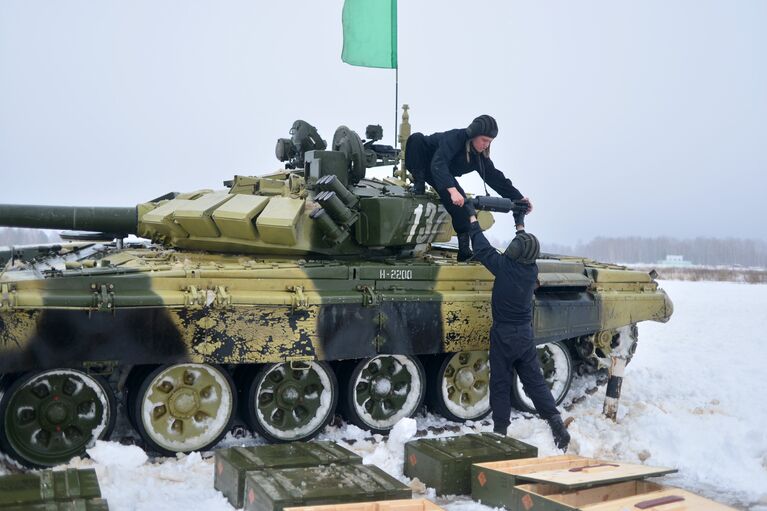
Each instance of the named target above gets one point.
<point>418,162</point>
<point>512,349</point>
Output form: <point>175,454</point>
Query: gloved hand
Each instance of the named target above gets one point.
<point>559,432</point>
<point>469,207</point>
<point>519,218</point>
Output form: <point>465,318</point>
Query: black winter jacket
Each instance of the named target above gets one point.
<point>448,160</point>
<point>512,300</point>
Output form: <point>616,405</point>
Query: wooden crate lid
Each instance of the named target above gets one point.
<point>571,472</point>
<point>525,465</point>
<point>382,505</point>
<point>592,472</point>
<point>670,499</point>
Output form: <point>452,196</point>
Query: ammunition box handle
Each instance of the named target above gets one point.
<point>581,469</point>
<point>659,501</point>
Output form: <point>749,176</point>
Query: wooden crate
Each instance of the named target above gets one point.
<point>496,483</point>
<point>636,495</point>
<point>381,505</point>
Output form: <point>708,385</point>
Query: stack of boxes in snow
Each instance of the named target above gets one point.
<point>498,471</point>
<point>566,483</point>
<point>275,477</point>
<point>51,490</point>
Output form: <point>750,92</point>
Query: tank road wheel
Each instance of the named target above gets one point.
<point>557,368</point>
<point>51,416</point>
<point>184,407</point>
<point>290,401</point>
<point>459,389</point>
<point>384,389</point>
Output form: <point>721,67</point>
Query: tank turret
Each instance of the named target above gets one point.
<point>326,207</point>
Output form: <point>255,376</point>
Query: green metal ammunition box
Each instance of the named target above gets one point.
<point>445,463</point>
<point>23,490</point>
<point>61,505</point>
<point>636,495</point>
<point>381,505</point>
<point>500,483</point>
<point>276,489</point>
<point>234,462</point>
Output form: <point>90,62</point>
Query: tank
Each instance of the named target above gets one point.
<point>276,302</point>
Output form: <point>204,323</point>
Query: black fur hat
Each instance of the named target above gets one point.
<point>484,125</point>
<point>524,248</point>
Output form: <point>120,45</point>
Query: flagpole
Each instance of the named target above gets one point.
<point>396,102</point>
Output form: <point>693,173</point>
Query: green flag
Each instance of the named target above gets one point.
<point>370,33</point>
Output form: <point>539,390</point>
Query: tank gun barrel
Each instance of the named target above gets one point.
<point>97,219</point>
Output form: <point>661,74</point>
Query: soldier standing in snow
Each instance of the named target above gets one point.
<point>511,336</point>
<point>439,158</point>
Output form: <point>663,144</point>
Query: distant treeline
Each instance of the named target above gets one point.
<point>18,236</point>
<point>703,251</point>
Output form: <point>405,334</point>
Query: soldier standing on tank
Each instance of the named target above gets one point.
<point>511,337</point>
<point>439,158</point>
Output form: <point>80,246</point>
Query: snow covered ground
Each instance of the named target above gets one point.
<point>693,398</point>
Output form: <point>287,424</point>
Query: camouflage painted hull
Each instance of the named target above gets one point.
<point>225,310</point>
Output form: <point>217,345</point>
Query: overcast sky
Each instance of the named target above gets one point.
<point>617,118</point>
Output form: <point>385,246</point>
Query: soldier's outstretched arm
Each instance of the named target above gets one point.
<point>499,182</point>
<point>484,252</point>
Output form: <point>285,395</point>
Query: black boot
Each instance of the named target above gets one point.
<point>464,247</point>
<point>500,429</point>
<point>419,188</point>
<point>559,431</point>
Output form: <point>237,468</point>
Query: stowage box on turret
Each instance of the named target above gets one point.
<point>280,299</point>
